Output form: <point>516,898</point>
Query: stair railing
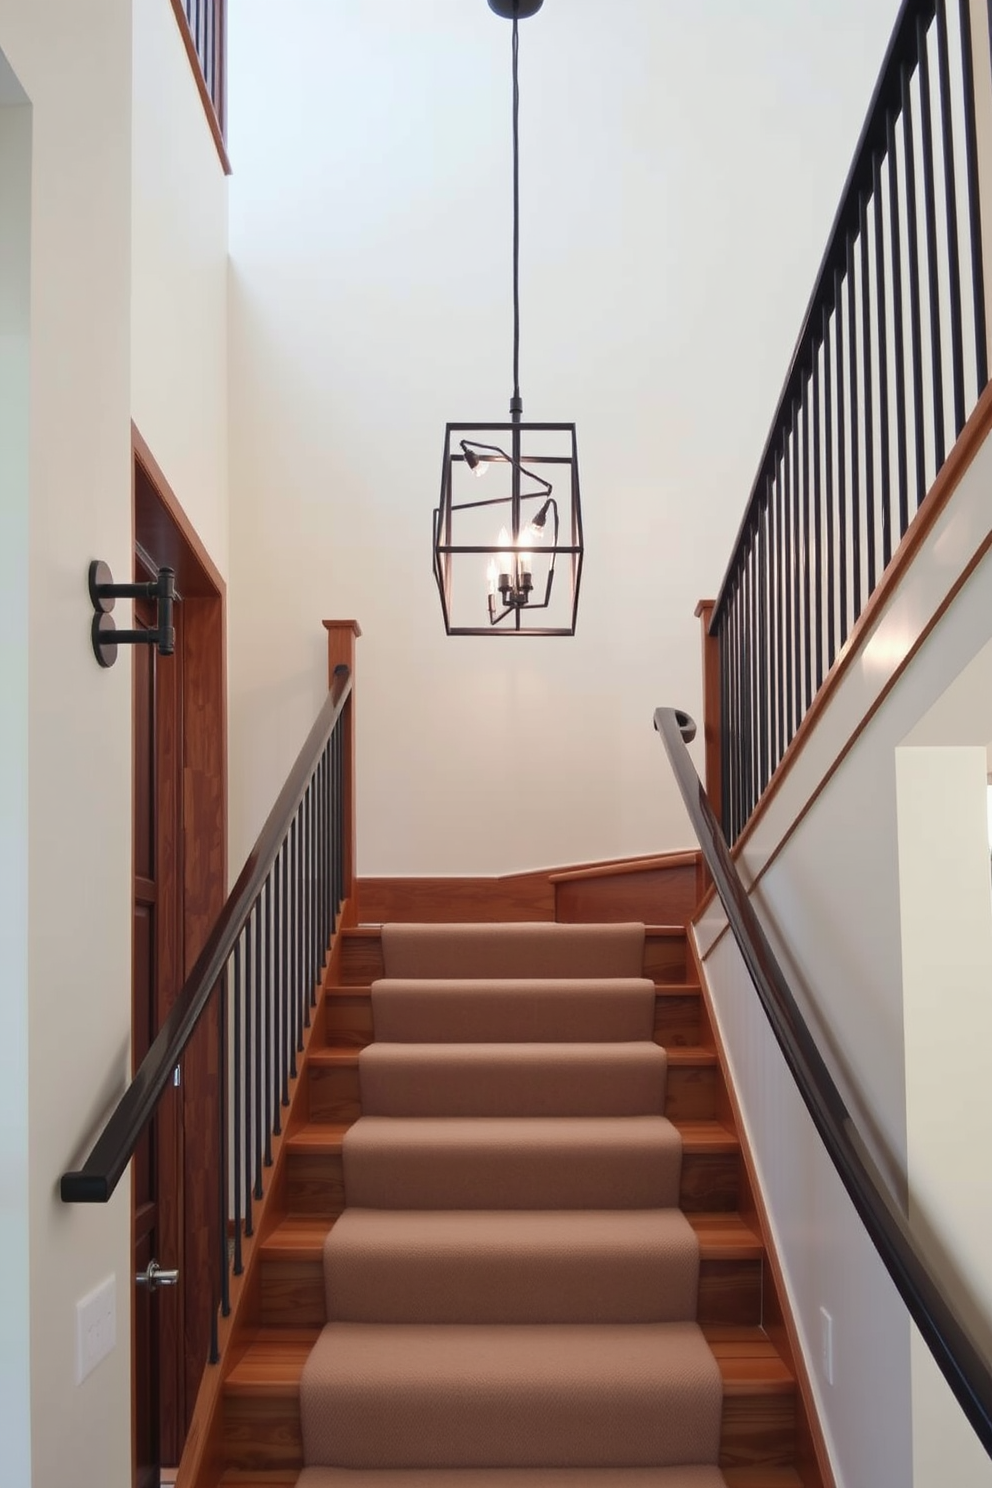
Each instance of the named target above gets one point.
<point>891,359</point>
<point>258,975</point>
<point>966,1370</point>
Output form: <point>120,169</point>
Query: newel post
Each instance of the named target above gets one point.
<point>711,707</point>
<point>341,638</point>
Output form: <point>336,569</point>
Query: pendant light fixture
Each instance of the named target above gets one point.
<point>508,562</point>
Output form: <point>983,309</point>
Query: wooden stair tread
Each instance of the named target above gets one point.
<point>334,1057</point>
<point>725,1237</point>
<point>706,1136</point>
<point>360,989</point>
<point>298,1237</point>
<point>749,1362</point>
<point>691,1054</point>
<point>319,1138</point>
<point>271,1363</point>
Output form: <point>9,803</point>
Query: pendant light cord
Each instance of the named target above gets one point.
<point>516,406</point>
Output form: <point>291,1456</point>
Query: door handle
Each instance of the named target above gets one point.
<point>156,1277</point>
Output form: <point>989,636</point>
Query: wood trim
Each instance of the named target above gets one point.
<point>156,476</point>
<point>202,1459</point>
<point>813,1459</point>
<point>216,125</point>
<point>712,729</point>
<point>948,478</point>
<point>341,638</point>
<point>626,865</point>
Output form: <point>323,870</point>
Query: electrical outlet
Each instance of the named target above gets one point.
<point>96,1327</point>
<point>827,1345</point>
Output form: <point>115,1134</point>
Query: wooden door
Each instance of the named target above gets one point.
<point>156,973</point>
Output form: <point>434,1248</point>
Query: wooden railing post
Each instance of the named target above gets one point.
<point>341,638</point>
<point>711,709</point>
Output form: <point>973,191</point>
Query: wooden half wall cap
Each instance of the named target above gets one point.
<point>341,638</point>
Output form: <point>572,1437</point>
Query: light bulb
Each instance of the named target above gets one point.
<point>492,574</point>
<point>528,538</point>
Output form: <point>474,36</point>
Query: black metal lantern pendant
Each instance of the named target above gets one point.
<point>509,563</point>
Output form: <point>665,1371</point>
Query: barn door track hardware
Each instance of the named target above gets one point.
<point>104,593</point>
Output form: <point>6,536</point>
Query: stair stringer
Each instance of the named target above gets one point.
<point>812,1459</point>
<point>202,1463</point>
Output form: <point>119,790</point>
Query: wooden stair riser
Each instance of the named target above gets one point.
<point>348,1019</point>
<point>315,1183</point>
<point>758,1429</point>
<point>666,957</point>
<point>293,1293</point>
<point>335,1092</point>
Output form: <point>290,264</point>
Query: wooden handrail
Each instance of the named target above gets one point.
<point>96,1180</point>
<point>964,1367</point>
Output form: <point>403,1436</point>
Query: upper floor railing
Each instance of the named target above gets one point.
<point>203,26</point>
<point>891,359</point>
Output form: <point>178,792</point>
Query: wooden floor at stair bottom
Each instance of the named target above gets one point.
<point>262,1403</point>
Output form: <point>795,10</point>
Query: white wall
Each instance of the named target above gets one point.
<point>179,278</point>
<point>890,988</point>
<point>74,63</point>
<point>681,165</point>
<point>15,291</point>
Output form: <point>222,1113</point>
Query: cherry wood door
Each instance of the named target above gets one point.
<point>156,974</point>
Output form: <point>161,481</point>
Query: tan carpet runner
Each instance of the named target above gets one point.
<point>512,1288</point>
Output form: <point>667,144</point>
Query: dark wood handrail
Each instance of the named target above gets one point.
<point>96,1180</point>
<point>966,1370</point>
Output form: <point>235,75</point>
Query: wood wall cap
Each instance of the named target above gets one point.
<point>351,625</point>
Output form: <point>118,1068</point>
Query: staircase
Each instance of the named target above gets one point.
<point>549,1229</point>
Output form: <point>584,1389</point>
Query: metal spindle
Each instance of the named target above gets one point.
<point>246,1078</point>
<point>974,196</point>
<point>289,1030</point>
<point>930,228</point>
<point>902,449</point>
<point>841,460</point>
<point>915,320</point>
<point>809,569</point>
<point>236,1092</point>
<point>817,532</point>
<point>855,423</point>
<point>951,214</point>
<point>828,485</point>
<point>271,1014</point>
<point>869,420</point>
<point>260,1047</point>
<point>781,664</point>
<point>790,579</point>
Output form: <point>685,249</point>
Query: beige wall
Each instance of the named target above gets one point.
<point>126,313</point>
<point>74,64</point>
<point>179,278</point>
<point>671,229</point>
<point>864,905</point>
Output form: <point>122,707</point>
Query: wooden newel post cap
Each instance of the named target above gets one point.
<point>341,638</point>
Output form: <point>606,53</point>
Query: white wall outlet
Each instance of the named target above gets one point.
<point>96,1327</point>
<point>827,1345</point>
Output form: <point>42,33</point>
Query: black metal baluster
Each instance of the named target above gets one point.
<point>930,226</point>
<point>868,422</point>
<point>789,575</point>
<point>899,351</point>
<point>771,664</point>
<point>737,683</point>
<point>291,939</point>
<point>223,1279</point>
<point>915,325</point>
<point>271,1014</point>
<point>781,655</point>
<point>260,1047</point>
<point>307,904</point>
<point>798,567</point>
<point>841,460</point>
<point>828,486</point>
<point>282,939</point>
<point>951,205</point>
<point>762,601</point>
<point>314,899</point>
<point>751,693</point>
<point>809,561</point>
<point>855,422</point>
<point>298,932</point>
<point>817,532</point>
<point>339,828</point>
<point>974,195</point>
<point>236,1085</point>
<point>247,1073</point>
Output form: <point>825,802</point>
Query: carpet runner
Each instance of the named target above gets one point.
<point>511,1289</point>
